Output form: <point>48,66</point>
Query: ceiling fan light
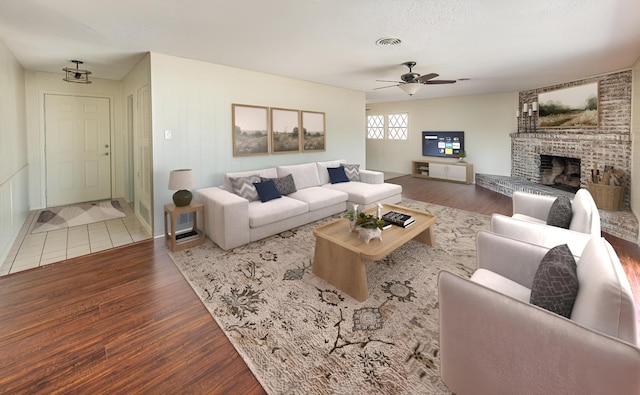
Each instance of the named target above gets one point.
<point>410,88</point>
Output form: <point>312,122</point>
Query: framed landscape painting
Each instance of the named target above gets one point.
<point>575,107</point>
<point>250,130</point>
<point>285,130</point>
<point>313,131</point>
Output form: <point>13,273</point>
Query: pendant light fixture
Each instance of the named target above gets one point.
<point>76,75</point>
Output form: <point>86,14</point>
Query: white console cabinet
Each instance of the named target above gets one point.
<point>447,171</point>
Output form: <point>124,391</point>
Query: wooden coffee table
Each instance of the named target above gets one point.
<point>340,254</point>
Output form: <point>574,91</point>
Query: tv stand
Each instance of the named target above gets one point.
<point>461,172</point>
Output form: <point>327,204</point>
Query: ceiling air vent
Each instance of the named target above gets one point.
<point>388,41</point>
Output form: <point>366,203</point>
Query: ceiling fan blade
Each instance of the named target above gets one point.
<point>382,87</point>
<point>424,78</point>
<point>438,82</point>
<point>395,82</point>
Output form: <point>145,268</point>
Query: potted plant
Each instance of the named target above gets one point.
<point>461,156</point>
<point>368,226</point>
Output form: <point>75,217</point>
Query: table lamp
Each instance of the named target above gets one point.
<point>181,180</point>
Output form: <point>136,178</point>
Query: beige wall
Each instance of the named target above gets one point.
<point>487,121</point>
<point>193,99</point>
<point>37,85</point>
<point>13,150</point>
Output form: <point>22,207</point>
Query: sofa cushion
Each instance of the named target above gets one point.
<point>555,284</point>
<point>364,194</point>
<point>352,172</point>
<point>501,284</point>
<point>267,190</point>
<point>323,174</point>
<point>261,214</point>
<point>583,207</point>
<point>269,173</point>
<point>243,186</point>
<point>605,302</point>
<point>304,175</point>
<point>285,185</point>
<point>560,213</point>
<point>319,197</point>
<point>337,175</point>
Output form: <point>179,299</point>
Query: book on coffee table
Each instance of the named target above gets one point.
<point>399,219</point>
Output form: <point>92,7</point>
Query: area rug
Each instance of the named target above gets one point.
<point>77,214</point>
<point>300,335</point>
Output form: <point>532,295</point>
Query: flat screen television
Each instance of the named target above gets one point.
<point>442,144</point>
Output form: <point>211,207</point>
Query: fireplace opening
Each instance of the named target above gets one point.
<point>560,172</point>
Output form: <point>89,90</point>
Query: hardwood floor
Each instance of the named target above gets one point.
<point>126,321</point>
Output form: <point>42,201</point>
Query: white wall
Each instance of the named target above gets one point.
<point>37,85</point>
<point>13,150</point>
<point>487,121</point>
<point>635,141</point>
<point>193,99</point>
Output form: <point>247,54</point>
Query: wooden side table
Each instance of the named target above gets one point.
<point>173,212</point>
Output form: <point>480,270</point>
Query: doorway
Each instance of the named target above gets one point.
<point>77,149</point>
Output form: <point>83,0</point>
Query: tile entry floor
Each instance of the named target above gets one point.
<point>39,249</point>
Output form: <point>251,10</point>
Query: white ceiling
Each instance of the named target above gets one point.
<point>501,45</point>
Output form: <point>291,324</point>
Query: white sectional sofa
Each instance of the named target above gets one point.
<point>232,220</point>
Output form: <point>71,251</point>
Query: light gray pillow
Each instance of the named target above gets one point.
<point>285,185</point>
<point>555,284</point>
<point>243,186</point>
<point>560,213</point>
<point>352,172</point>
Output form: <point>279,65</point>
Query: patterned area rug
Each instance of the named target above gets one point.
<point>300,335</point>
<point>78,214</point>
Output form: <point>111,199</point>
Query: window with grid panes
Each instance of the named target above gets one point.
<point>397,126</point>
<point>375,126</point>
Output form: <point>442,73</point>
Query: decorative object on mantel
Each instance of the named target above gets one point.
<point>76,75</point>
<point>181,180</point>
<point>528,118</point>
<point>606,189</point>
<point>368,226</point>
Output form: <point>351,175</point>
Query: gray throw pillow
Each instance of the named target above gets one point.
<point>560,213</point>
<point>243,187</point>
<point>352,172</point>
<point>285,185</point>
<point>555,284</point>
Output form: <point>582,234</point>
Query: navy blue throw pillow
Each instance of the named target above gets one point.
<point>267,190</point>
<point>337,174</point>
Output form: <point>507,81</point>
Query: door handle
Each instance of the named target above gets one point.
<point>106,146</point>
<point>105,154</point>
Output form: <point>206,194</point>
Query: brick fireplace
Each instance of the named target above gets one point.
<point>608,144</point>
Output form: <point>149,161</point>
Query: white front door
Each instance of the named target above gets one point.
<point>78,149</point>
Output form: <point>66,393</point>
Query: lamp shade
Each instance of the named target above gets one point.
<point>181,179</point>
<point>411,88</point>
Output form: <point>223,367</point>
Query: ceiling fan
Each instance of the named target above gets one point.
<point>412,82</point>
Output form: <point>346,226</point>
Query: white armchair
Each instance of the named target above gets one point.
<point>493,341</point>
<point>529,221</point>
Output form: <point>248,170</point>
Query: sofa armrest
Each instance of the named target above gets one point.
<point>510,258</point>
<point>540,234</point>
<point>226,217</point>
<point>371,176</point>
<point>493,344</point>
<point>536,206</point>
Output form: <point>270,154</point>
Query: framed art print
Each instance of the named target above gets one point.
<point>285,130</point>
<point>250,130</point>
<point>313,131</point>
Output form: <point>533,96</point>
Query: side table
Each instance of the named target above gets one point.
<point>196,236</point>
